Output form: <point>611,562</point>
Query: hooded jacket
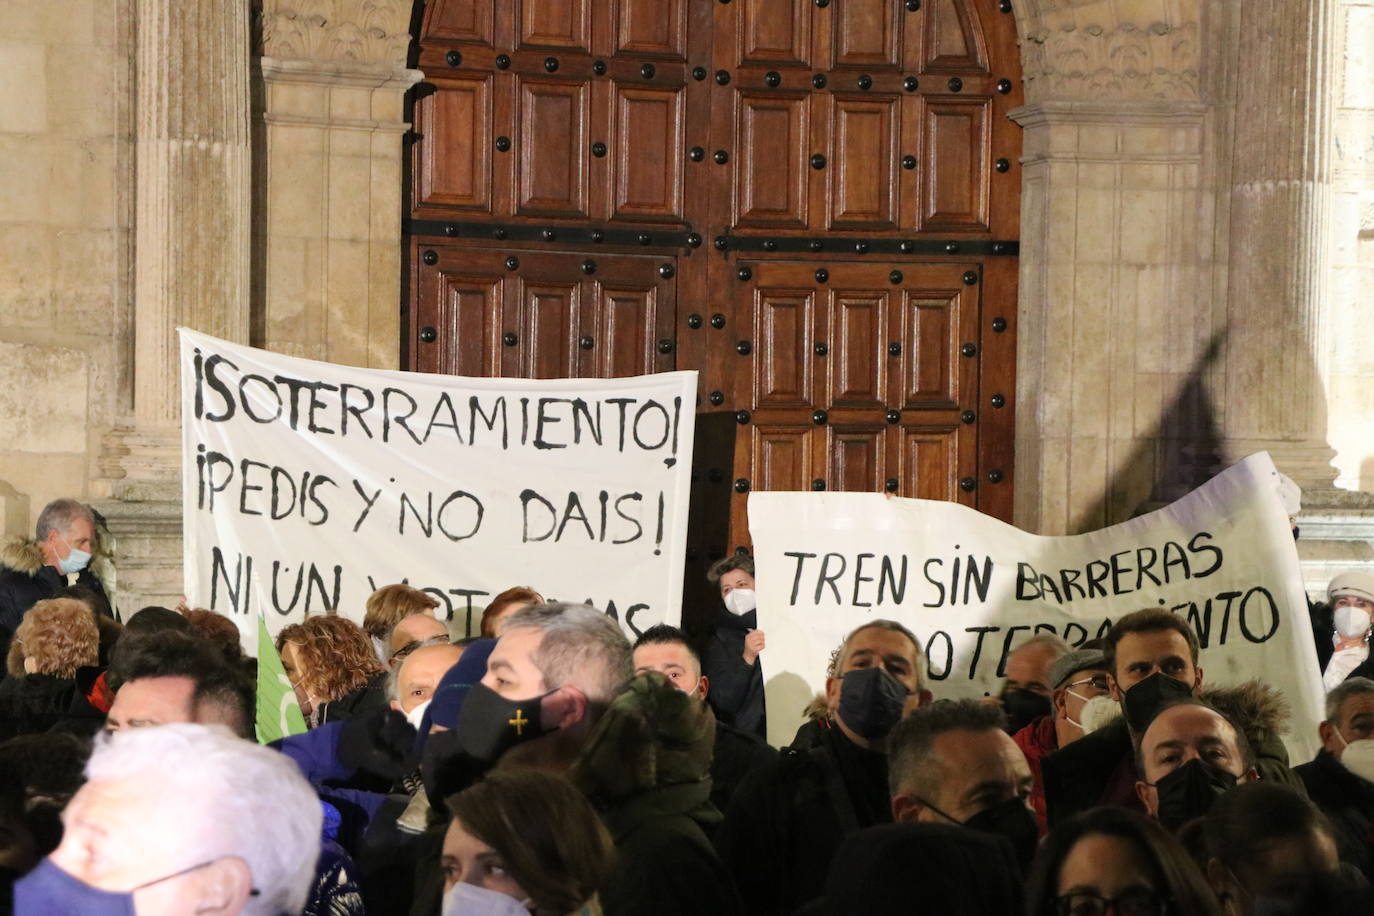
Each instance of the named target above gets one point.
<point>25,580</point>
<point>1099,768</point>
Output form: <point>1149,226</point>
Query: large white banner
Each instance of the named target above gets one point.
<point>307,485</point>
<point>974,588</point>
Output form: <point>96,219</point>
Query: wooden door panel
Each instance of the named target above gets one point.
<point>648,170</point>
<point>771,178</point>
<point>868,34</point>
<point>856,457</point>
<point>783,362</point>
<point>461,20</point>
<point>858,331</point>
<point>774,32</point>
<point>552,148</point>
<point>629,329</point>
<point>954,184</point>
<point>863,189</point>
<point>929,325</point>
<point>550,318</point>
<point>455,169</point>
<point>781,457</point>
<point>555,24</point>
<point>471,319</point>
<point>953,39</point>
<point>930,463</point>
<point>656,28</point>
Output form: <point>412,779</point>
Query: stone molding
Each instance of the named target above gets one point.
<point>362,31</point>
<point>1073,60</point>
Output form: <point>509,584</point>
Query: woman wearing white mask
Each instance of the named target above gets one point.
<point>1340,781</point>
<point>1352,607</point>
<point>731,660</point>
<point>524,841</point>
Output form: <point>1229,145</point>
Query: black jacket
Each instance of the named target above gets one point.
<point>33,703</point>
<point>367,698</point>
<point>1348,802</point>
<point>736,692</point>
<point>25,580</point>
<point>737,754</point>
<point>787,820</point>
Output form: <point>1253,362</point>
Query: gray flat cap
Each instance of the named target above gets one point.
<point>1077,660</point>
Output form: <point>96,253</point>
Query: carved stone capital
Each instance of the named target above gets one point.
<point>1067,56</point>
<point>361,31</point>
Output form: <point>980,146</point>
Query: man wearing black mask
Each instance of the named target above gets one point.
<point>952,762</point>
<point>787,820</point>
<point>1026,694</point>
<point>1152,660</point>
<point>1190,755</point>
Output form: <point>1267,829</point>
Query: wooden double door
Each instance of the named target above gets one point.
<point>812,202</point>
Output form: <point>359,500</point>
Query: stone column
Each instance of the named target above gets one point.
<point>1278,190</point>
<point>191,262</point>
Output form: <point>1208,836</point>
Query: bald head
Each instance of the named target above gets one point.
<point>415,628</point>
<point>419,674</point>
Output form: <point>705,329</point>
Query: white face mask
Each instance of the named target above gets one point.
<point>1351,621</point>
<point>1096,713</point>
<point>740,601</point>
<point>417,714</point>
<point>1358,757</point>
<point>471,900</point>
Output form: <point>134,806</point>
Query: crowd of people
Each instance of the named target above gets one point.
<point>550,766</point>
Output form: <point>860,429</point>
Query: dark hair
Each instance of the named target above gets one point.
<point>729,564</point>
<point>547,833</point>
<point>1245,820</point>
<point>1178,877</point>
<point>218,630</point>
<point>1150,620</point>
<point>41,773</point>
<point>154,619</point>
<point>837,658</point>
<point>520,594</point>
<point>662,634</point>
<point>1247,750</point>
<point>178,655</point>
<point>911,741</point>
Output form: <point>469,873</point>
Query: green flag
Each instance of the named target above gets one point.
<point>279,714</point>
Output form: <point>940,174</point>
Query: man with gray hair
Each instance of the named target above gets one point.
<point>181,819</point>
<point>1340,781</point>
<point>38,569</point>
<point>1026,693</point>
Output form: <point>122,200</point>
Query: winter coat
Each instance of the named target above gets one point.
<point>1036,741</point>
<point>1099,768</point>
<point>645,768</point>
<point>25,580</point>
<point>1348,802</point>
<point>787,820</point>
<point>33,703</point>
<point>737,754</point>
<point>736,687</point>
<point>371,696</point>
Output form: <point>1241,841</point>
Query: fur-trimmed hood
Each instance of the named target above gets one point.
<point>22,555</point>
<point>1261,711</point>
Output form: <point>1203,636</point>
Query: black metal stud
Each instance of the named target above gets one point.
<point>770,245</point>
<point>955,84</point>
<point>908,162</point>
<point>744,348</point>
<point>742,485</point>
<point>818,81</point>
<point>999,247</point>
<point>822,275</point>
<point>453,59</point>
<point>694,240</point>
<point>817,245</point>
<point>717,321</point>
<point>1004,6</point>
<point>741,417</point>
<point>894,348</point>
<point>510,339</point>
<point>498,233</point>
<point>644,238</point>
<point>818,161</point>
<point>1004,86</point>
<point>551,64</point>
<point>665,346</point>
<point>998,400</point>
<point>969,350</point>
<point>999,325</point>
<point>970,277</point>
<point>911,84</point>
<point>666,271</point>
<point>894,416</point>
<point>913,5</point>
<point>890,485</point>
<point>696,154</point>
<point>599,67</point>
<point>821,349</point>
<point>864,82</point>
<point>694,321</point>
<point>951,247</point>
<point>744,273</point>
<point>598,149</point>
<point>772,79</point>
<point>647,71</point>
<point>512,263</point>
<point>968,484</point>
<point>818,484</point>
<point>429,335</point>
<point>996,476</point>
<point>586,343</point>
<point>721,157</point>
<point>451,230</point>
<point>589,267</point>
<point>819,417</point>
<point>548,235</point>
<point>502,144</point>
<point>698,73</point>
<point>895,277</point>
<point>717,398</point>
<point>503,62</point>
<point>1002,165</point>
<point>721,243</point>
<point>722,77</point>
<point>907,246</point>
<point>430,257</point>
<point>822,4</point>
<point>596,235</point>
<point>968,416</point>
<point>861,247</point>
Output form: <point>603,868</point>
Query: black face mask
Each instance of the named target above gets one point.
<point>1189,792</point>
<point>1023,707</point>
<point>1148,697</point>
<point>871,702</point>
<point>489,724</point>
<point>1014,821</point>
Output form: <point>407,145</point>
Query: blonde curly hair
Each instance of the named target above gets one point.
<point>335,655</point>
<point>391,604</point>
<point>60,635</point>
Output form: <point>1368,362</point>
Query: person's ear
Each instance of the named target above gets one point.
<point>905,809</point>
<point>1330,741</point>
<point>1149,798</point>
<point>563,708</point>
<point>832,693</point>
<point>30,665</point>
<point>1060,703</point>
<point>396,705</point>
<point>704,685</point>
<point>926,697</point>
<point>223,887</point>
<point>1250,775</point>
<point>1197,677</point>
<point>1114,689</point>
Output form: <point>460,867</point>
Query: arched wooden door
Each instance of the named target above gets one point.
<point>812,202</point>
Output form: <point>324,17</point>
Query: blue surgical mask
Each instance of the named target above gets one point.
<point>50,891</point>
<point>73,562</point>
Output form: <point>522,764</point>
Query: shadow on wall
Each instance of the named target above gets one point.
<point>14,511</point>
<point>1367,474</point>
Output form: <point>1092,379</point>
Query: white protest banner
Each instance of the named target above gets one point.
<point>973,588</point>
<point>307,485</point>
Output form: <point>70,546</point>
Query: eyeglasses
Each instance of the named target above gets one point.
<point>1131,903</point>
<point>1098,683</point>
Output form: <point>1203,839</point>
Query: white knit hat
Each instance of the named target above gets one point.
<point>1355,584</point>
